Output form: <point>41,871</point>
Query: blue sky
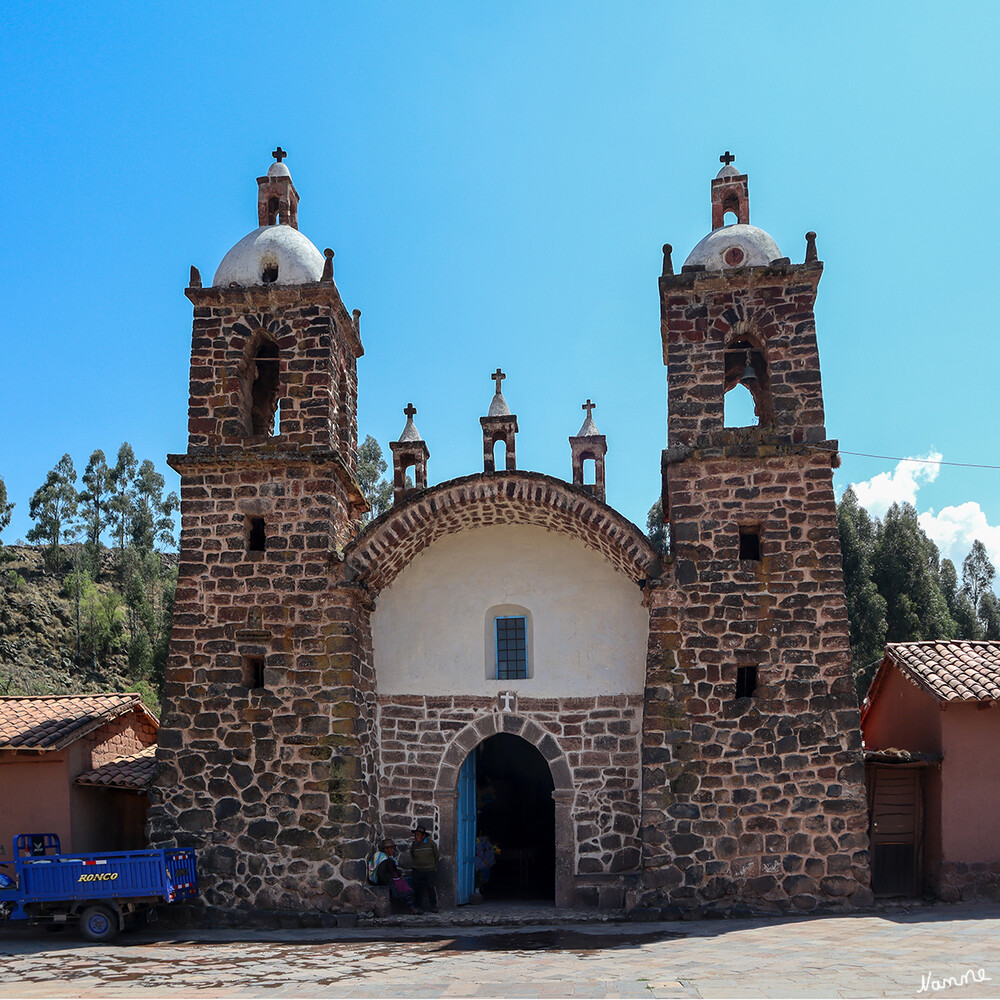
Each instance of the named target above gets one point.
<point>497,180</point>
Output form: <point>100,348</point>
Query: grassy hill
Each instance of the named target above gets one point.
<point>52,643</point>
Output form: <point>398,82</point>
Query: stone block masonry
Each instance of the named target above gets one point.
<point>753,784</point>
<point>733,781</point>
<point>596,739</point>
<point>269,690</point>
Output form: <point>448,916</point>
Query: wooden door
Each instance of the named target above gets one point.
<point>466,839</point>
<point>895,810</point>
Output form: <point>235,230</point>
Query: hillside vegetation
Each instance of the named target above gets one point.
<point>78,616</point>
<point>51,642</point>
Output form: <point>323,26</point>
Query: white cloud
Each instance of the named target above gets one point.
<point>879,493</point>
<point>954,529</point>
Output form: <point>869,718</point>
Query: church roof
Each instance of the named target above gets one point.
<point>410,432</point>
<point>498,406</point>
<point>295,258</point>
<point>738,245</point>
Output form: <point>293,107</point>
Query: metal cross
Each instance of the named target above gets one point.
<point>588,406</point>
<point>726,158</point>
<point>498,376</point>
<point>410,410</point>
<point>279,154</point>
<point>506,696</point>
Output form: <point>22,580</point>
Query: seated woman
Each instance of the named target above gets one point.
<point>385,871</point>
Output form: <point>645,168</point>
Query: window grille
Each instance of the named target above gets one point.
<point>512,648</point>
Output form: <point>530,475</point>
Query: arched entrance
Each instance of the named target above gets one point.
<point>506,822</point>
<point>523,768</point>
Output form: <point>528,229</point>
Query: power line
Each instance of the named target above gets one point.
<point>922,461</point>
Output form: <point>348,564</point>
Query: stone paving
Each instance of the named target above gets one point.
<point>888,954</point>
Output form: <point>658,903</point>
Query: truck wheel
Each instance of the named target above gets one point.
<point>99,923</point>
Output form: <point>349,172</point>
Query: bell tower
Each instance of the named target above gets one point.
<point>268,691</point>
<point>751,649</point>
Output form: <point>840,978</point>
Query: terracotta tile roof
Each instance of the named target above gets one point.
<point>950,669</point>
<point>52,721</point>
<point>134,771</point>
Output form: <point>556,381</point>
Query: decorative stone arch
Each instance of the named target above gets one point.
<point>446,798</point>
<point>745,346</point>
<point>259,373</point>
<point>789,379</point>
<point>390,543</point>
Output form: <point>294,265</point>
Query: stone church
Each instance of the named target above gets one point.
<point>504,657</point>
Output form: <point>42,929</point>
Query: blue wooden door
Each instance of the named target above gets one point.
<point>466,828</point>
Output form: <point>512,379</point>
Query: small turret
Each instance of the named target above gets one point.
<point>499,425</point>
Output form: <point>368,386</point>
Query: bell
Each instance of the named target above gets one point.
<point>749,375</point>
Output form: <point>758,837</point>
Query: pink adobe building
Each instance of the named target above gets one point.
<point>78,766</point>
<point>504,656</point>
<point>931,730</point>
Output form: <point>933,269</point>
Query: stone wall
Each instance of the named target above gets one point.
<point>273,783</point>
<point>703,314</point>
<point>269,707</point>
<point>759,800</point>
<point>318,347</point>
<point>595,739</point>
<point>755,799</point>
<point>966,882</point>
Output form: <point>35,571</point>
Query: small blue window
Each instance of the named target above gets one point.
<point>512,648</point>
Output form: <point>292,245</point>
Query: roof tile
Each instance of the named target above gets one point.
<point>951,669</point>
<point>136,771</point>
<point>51,721</point>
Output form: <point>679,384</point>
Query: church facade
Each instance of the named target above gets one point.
<point>503,657</point>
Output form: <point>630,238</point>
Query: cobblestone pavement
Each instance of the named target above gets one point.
<point>875,955</point>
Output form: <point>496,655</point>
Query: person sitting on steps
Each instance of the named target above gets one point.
<point>384,870</point>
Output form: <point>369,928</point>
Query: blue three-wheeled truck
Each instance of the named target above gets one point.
<point>97,891</point>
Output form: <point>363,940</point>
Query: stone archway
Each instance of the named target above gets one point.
<point>446,798</point>
<point>390,542</point>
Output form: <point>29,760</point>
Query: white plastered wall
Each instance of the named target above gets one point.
<point>589,626</point>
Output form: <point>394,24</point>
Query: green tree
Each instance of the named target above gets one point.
<point>5,508</point>
<point>977,574</point>
<point>53,507</point>
<point>152,512</point>
<point>101,620</point>
<point>95,514</point>
<point>906,572</point>
<point>162,645</point>
<point>658,532</point>
<point>959,606</point>
<point>122,500</point>
<point>866,607</point>
<point>989,615</point>
<point>377,491</point>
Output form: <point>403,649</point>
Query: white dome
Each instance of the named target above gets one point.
<point>278,170</point>
<point>282,247</point>
<point>738,245</point>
